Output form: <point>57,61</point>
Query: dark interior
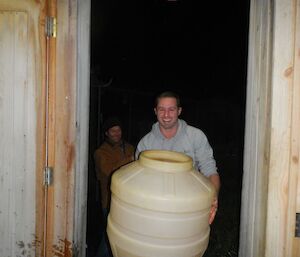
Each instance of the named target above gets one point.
<point>199,50</point>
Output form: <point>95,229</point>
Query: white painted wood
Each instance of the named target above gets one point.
<point>18,137</point>
<point>254,192</point>
<point>82,128</point>
<point>22,127</point>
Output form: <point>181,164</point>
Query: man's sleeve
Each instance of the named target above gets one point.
<point>204,156</point>
<point>138,150</point>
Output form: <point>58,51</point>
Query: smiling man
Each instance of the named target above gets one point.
<point>113,153</point>
<point>174,134</point>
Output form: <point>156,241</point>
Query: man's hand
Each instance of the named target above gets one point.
<point>213,210</point>
<point>215,180</point>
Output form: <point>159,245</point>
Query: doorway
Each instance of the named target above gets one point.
<point>139,49</point>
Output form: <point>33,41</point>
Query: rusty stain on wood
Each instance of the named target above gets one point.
<point>64,249</point>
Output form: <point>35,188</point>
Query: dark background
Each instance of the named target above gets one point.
<point>199,50</point>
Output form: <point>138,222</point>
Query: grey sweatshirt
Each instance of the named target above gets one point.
<point>188,140</point>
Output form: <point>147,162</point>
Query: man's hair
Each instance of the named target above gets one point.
<point>168,94</point>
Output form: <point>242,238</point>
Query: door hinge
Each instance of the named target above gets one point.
<point>50,27</point>
<point>297,226</point>
<point>48,176</point>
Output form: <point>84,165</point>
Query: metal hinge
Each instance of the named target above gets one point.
<point>51,26</point>
<point>48,176</point>
<point>297,228</point>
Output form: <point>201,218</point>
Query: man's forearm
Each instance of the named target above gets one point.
<point>215,180</point>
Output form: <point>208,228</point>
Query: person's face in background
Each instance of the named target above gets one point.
<point>114,134</point>
<point>167,112</point>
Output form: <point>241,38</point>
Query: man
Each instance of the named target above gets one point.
<point>172,133</point>
<point>113,153</point>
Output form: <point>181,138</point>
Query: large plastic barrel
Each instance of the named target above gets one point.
<point>159,207</point>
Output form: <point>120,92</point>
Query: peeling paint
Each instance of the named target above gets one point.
<point>20,244</point>
<point>27,249</point>
<point>64,249</point>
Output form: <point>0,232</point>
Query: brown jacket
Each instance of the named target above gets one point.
<point>108,158</point>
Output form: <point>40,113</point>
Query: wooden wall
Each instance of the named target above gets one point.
<point>270,195</point>
<point>44,112</point>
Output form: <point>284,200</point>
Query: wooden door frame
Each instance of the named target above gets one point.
<point>69,115</point>
<point>272,138</point>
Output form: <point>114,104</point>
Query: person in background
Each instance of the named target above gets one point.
<point>174,134</point>
<point>113,153</point>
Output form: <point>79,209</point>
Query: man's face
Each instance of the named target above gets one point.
<point>167,112</point>
<point>114,134</point>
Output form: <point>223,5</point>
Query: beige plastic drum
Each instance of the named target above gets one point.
<point>159,207</point>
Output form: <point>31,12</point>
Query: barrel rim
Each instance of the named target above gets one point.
<point>159,159</point>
